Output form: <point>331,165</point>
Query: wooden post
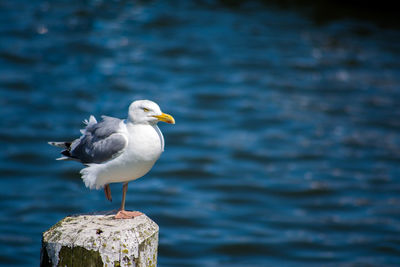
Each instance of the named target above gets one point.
<point>100,240</point>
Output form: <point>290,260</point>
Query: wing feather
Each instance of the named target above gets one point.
<point>100,141</point>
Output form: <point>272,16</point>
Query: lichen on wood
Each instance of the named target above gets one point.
<point>100,240</point>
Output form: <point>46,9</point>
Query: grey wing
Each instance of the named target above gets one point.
<point>100,142</point>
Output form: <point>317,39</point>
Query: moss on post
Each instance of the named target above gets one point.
<point>100,240</point>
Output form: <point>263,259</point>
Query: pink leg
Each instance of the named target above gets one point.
<point>107,192</point>
<point>122,213</point>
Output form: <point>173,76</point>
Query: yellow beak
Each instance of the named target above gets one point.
<point>165,118</point>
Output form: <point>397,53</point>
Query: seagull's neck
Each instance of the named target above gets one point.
<point>130,122</point>
<point>133,126</point>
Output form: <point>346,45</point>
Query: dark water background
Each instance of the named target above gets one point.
<point>286,149</point>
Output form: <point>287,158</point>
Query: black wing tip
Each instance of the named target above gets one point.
<point>66,153</point>
<point>65,145</point>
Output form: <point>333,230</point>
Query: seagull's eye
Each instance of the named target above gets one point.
<point>146,109</point>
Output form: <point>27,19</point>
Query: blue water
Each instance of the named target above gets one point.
<point>286,150</point>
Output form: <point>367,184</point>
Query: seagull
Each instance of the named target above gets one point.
<point>118,151</point>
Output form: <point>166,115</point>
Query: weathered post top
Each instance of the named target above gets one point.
<point>100,240</point>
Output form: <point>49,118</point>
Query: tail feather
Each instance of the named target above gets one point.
<point>66,152</point>
<point>64,158</point>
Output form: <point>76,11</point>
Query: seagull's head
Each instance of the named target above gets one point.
<point>147,112</point>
